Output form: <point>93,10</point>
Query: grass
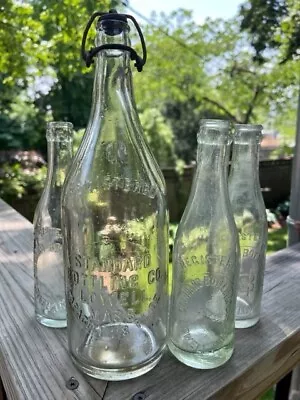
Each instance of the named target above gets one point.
<point>269,395</point>
<point>277,240</point>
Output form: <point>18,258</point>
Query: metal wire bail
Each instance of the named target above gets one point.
<point>88,56</point>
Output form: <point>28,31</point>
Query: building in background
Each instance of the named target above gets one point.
<point>270,142</point>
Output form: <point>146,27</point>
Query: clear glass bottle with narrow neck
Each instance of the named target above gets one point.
<point>115,229</point>
<point>49,292</point>
<point>206,259</point>
<point>250,218</point>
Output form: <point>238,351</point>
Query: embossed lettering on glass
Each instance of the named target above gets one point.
<point>49,291</point>
<point>115,227</point>
<point>206,259</point>
<point>250,218</point>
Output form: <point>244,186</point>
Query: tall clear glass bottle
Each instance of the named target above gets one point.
<point>115,228</point>
<point>49,291</point>
<point>251,221</point>
<point>206,259</point>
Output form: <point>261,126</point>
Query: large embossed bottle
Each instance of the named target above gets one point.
<point>49,293</point>
<point>206,259</point>
<point>115,226</point>
<point>251,221</point>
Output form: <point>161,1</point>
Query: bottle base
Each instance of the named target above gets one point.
<point>245,323</point>
<point>116,374</point>
<point>51,323</point>
<point>245,315</point>
<point>202,360</point>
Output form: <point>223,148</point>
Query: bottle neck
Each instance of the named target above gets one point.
<point>213,151</point>
<point>114,138</point>
<point>59,158</point>
<point>112,81</point>
<point>212,169</point>
<point>245,159</point>
<point>212,157</point>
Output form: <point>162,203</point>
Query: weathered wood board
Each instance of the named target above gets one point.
<point>34,360</point>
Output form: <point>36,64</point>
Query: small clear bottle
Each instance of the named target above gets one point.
<point>206,259</point>
<point>49,292</point>
<point>251,221</point>
<point>115,227</point>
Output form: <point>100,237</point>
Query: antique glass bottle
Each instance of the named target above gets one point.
<point>115,228</point>
<point>250,218</point>
<point>49,291</point>
<point>206,259</point>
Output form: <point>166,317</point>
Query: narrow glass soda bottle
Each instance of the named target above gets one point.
<point>206,259</point>
<point>115,225</point>
<point>49,293</point>
<point>251,221</point>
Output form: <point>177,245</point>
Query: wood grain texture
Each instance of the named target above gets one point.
<point>35,365</point>
<point>34,362</point>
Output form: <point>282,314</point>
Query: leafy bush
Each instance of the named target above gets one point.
<point>271,217</point>
<point>283,209</point>
<point>159,136</point>
<point>17,181</point>
<point>283,151</point>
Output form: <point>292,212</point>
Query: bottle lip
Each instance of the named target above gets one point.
<point>215,123</point>
<point>248,127</point>
<point>59,124</point>
<point>112,26</point>
<point>59,131</point>
<point>214,131</point>
<point>113,15</point>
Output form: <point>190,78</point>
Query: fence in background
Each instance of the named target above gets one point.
<point>275,181</point>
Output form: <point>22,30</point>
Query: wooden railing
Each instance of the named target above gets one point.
<point>35,364</point>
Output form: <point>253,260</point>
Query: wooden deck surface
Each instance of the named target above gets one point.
<point>35,365</point>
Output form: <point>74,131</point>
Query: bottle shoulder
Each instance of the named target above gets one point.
<point>124,180</point>
<point>246,197</point>
<point>47,212</point>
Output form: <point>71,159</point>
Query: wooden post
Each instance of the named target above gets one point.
<point>294,212</point>
<point>2,391</point>
<point>283,388</point>
<point>293,233</point>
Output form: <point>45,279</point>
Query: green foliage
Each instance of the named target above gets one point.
<point>273,24</point>
<point>271,217</point>
<point>78,135</point>
<point>21,42</point>
<point>193,71</point>
<point>42,39</point>
<point>172,234</point>
<point>261,18</point>
<point>17,182</point>
<point>269,395</point>
<point>282,210</point>
<point>169,74</point>
<point>283,151</point>
<point>184,118</point>
<point>277,240</point>
<point>159,136</point>
<point>64,22</point>
<point>222,59</point>
<point>289,33</point>
<point>70,99</point>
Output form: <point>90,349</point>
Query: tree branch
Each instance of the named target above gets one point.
<point>8,25</point>
<point>248,114</point>
<point>235,69</point>
<point>228,113</point>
